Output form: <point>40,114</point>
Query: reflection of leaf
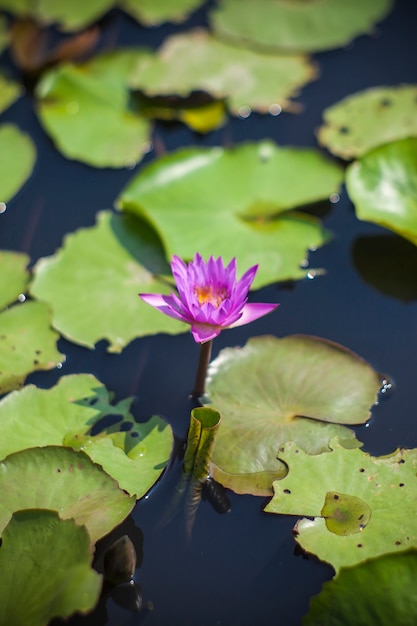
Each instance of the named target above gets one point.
<point>92,283</point>
<point>387,486</point>
<point>236,202</point>
<point>383,187</point>
<point>135,454</point>
<point>196,61</point>
<point>86,110</point>
<point>17,157</point>
<point>388,263</point>
<point>265,391</point>
<point>380,592</point>
<point>368,119</point>
<point>14,276</point>
<point>297,26</point>
<point>45,569</point>
<point>65,481</point>
<point>27,343</point>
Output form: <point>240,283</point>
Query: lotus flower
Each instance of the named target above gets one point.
<point>209,298</point>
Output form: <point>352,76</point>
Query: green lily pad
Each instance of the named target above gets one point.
<point>266,390</point>
<point>74,15</point>
<point>27,343</point>
<point>86,110</point>
<point>17,158</point>
<point>235,203</point>
<point>383,187</point>
<point>66,481</point>
<point>380,592</point>
<point>153,13</point>
<point>9,90</point>
<point>92,283</point>
<point>387,486</point>
<point>368,119</point>
<point>45,569</point>
<point>15,276</point>
<point>196,61</point>
<point>301,26</point>
<point>78,14</point>
<point>134,454</point>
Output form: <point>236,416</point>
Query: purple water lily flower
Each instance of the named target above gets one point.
<point>209,298</point>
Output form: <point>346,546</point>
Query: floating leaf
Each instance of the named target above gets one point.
<point>266,390</point>
<point>73,15</point>
<point>66,481</point>
<point>368,119</point>
<point>45,569</point>
<point>14,276</point>
<point>153,13</point>
<point>386,487</point>
<point>92,283</point>
<point>196,61</point>
<point>380,592</point>
<point>387,263</point>
<point>86,110</point>
<point>200,116</point>
<point>235,202</point>
<point>383,187</point>
<point>27,343</point>
<point>298,26</point>
<point>120,561</point>
<point>17,157</point>
<point>9,91</point>
<point>344,514</point>
<point>135,454</point>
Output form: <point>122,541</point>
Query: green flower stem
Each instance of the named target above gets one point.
<point>200,379</point>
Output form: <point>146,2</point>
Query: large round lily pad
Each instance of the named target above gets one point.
<point>368,119</point>
<point>27,343</point>
<point>196,61</point>
<point>45,569</point>
<point>278,390</point>
<point>386,487</point>
<point>235,203</point>
<point>85,108</point>
<point>134,454</point>
<point>92,283</point>
<point>299,25</point>
<point>14,276</point>
<point>383,187</point>
<point>66,481</point>
<point>17,158</point>
<point>380,592</point>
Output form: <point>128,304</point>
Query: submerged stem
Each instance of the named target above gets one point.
<point>200,379</point>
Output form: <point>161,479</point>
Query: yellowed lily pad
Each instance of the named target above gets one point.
<point>244,78</point>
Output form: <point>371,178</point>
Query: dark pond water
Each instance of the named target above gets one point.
<point>240,568</point>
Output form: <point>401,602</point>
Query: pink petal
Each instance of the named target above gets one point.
<point>164,304</point>
<point>252,311</point>
<point>204,332</point>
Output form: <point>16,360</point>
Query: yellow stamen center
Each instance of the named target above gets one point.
<point>208,294</point>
